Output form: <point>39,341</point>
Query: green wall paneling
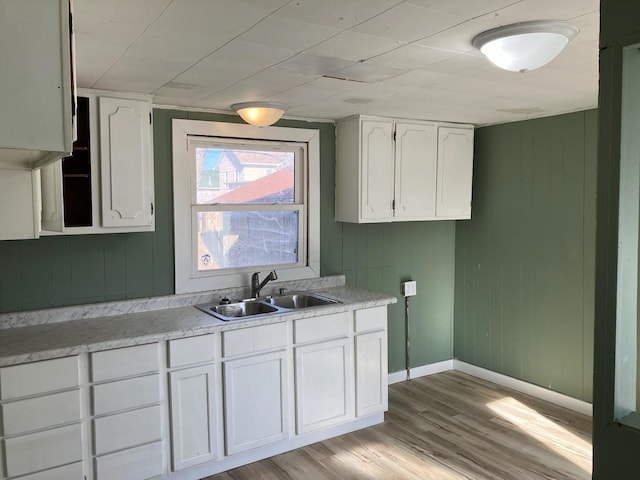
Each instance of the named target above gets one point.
<point>380,256</point>
<point>525,262</point>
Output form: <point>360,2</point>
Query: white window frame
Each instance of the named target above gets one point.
<point>187,279</point>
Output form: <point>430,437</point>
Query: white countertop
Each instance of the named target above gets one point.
<point>69,331</point>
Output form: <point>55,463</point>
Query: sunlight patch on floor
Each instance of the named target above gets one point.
<point>545,431</point>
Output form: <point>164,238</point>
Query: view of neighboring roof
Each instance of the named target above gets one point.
<point>266,186</point>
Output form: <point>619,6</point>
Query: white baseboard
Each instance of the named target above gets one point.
<point>431,369</point>
<point>542,393</point>
<point>397,377</point>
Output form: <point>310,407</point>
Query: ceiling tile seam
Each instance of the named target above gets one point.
<point>131,44</point>
<point>444,30</point>
<point>221,47</point>
<point>209,95</point>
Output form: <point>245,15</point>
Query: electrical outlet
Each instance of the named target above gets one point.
<point>409,288</point>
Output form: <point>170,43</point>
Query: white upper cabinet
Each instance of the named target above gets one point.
<point>415,172</point>
<point>106,186</point>
<point>126,162</point>
<point>390,170</point>
<point>455,172</point>
<point>36,126</point>
<point>377,170</point>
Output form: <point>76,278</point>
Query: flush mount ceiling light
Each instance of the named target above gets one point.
<point>525,46</point>
<point>261,114</point>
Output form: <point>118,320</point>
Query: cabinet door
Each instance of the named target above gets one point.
<point>455,172</point>
<point>126,162</point>
<point>193,416</point>
<point>19,212</point>
<point>255,399</point>
<point>371,373</point>
<point>324,384</point>
<point>35,81</point>
<point>377,170</point>
<point>416,168</point>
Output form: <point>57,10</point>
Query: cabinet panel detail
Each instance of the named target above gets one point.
<point>255,339</point>
<point>38,377</point>
<point>124,394</point>
<point>329,326</point>
<point>455,172</point>
<point>256,406</point>
<point>133,464</point>
<point>124,362</point>
<point>368,319</point>
<point>377,170</point>
<point>324,384</point>
<point>371,373</point>
<point>42,450</point>
<point>127,179</point>
<point>128,429</point>
<point>193,416</point>
<point>191,350</point>
<point>41,412</point>
<point>416,168</point>
<point>68,472</point>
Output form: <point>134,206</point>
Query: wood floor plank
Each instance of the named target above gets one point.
<point>449,426</point>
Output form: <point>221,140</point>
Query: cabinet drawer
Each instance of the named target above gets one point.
<point>38,377</point>
<point>124,362</point>
<point>371,319</point>
<point>68,472</point>
<point>254,339</point>
<point>319,328</point>
<point>132,464</point>
<point>187,351</point>
<point>127,429</point>
<point>42,450</point>
<point>125,394</point>
<point>41,412</point>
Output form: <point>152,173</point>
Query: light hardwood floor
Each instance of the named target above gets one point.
<point>444,427</point>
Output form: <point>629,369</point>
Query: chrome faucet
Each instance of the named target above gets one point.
<point>257,285</point>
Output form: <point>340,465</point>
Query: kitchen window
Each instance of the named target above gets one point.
<point>246,199</point>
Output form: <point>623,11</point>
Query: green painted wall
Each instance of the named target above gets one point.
<point>615,447</point>
<point>525,262</point>
<point>70,270</point>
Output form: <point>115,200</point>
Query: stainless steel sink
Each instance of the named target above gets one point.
<point>232,311</point>
<point>265,306</point>
<point>301,300</point>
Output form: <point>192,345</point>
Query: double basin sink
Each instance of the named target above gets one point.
<point>265,306</point>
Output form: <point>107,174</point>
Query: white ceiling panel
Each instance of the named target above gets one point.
<point>309,63</point>
<point>355,46</point>
<point>526,10</point>
<point>457,38</point>
<point>410,58</point>
<point>464,8</point>
<point>368,73</point>
<point>338,14</point>
<point>281,33</point>
<point>408,23</point>
<point>258,7</point>
<point>420,79</point>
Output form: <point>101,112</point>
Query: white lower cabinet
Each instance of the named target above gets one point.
<point>220,399</point>
<point>127,413</point>
<point>256,403</point>
<point>193,416</point>
<point>371,373</point>
<point>324,384</point>
<point>41,421</point>
<point>371,361</point>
